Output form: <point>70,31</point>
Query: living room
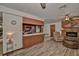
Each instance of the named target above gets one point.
<point>51,29</point>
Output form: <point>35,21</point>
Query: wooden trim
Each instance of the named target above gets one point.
<point>33,19</point>
<point>74,16</point>
<point>51,32</point>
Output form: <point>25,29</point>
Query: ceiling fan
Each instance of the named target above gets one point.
<point>67,14</point>
<point>43,5</point>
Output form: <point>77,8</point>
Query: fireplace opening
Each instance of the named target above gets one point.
<point>71,34</point>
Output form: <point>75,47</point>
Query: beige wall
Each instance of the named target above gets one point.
<point>15,29</point>
<point>12,14</point>
<point>17,12</point>
<point>47,27</point>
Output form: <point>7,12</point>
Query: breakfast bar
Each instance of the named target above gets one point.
<point>32,32</point>
<point>32,39</point>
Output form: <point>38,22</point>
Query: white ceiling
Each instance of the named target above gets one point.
<point>50,14</point>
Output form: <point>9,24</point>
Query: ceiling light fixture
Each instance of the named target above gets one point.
<point>43,5</point>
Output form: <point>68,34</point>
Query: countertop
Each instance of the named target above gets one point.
<point>33,34</point>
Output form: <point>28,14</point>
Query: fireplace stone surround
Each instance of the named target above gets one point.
<point>71,25</point>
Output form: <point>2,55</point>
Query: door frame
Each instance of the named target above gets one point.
<point>51,30</point>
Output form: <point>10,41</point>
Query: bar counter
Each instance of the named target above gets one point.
<point>32,39</point>
<point>33,34</point>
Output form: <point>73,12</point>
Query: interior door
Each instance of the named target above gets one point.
<point>52,29</point>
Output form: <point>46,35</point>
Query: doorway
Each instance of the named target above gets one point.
<point>52,29</point>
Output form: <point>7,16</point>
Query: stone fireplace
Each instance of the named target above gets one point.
<point>71,36</point>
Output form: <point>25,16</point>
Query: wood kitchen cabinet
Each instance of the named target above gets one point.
<point>32,32</point>
<point>27,20</point>
<point>32,40</point>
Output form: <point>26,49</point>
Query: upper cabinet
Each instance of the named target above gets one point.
<point>32,21</point>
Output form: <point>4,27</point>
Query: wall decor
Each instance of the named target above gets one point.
<point>13,22</point>
<point>9,41</point>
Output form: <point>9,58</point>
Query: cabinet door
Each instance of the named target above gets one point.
<point>26,42</point>
<point>32,40</point>
<point>37,39</point>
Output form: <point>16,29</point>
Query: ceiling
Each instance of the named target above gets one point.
<point>52,13</point>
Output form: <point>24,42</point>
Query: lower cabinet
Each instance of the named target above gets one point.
<point>29,41</point>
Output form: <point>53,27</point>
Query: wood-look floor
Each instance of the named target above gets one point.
<point>47,48</point>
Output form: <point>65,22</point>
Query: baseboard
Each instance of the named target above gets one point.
<point>6,54</point>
